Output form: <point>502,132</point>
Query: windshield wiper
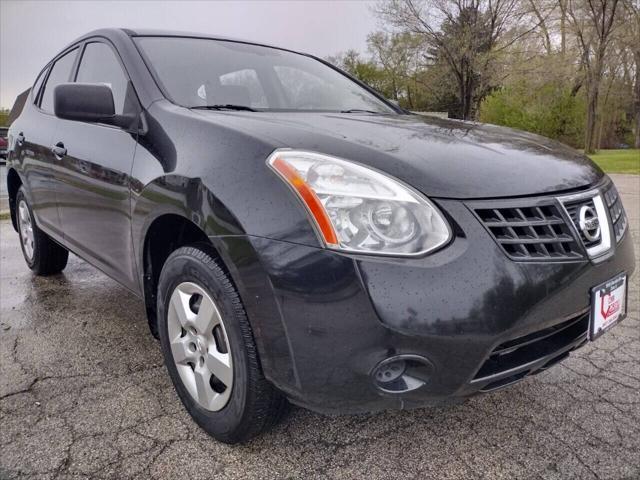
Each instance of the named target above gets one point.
<point>358,110</point>
<point>227,106</point>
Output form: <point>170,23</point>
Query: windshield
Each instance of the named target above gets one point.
<point>196,72</point>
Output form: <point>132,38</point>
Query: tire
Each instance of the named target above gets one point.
<point>240,403</point>
<point>42,254</point>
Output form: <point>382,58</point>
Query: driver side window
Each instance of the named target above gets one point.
<point>99,64</point>
<point>60,73</point>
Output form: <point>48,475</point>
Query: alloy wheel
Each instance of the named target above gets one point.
<point>199,346</point>
<point>26,229</point>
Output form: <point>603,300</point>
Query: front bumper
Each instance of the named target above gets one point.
<point>324,320</point>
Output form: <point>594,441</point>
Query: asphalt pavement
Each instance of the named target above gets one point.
<point>84,394</point>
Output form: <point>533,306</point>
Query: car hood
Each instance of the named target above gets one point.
<point>440,157</point>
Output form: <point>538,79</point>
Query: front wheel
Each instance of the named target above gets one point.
<point>42,254</point>
<point>209,349</point>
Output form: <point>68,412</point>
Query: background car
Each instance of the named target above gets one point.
<point>3,143</point>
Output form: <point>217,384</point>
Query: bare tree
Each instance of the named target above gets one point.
<point>398,55</point>
<point>562,4</point>
<point>632,39</point>
<point>536,9</point>
<point>593,22</point>
<point>463,33</point>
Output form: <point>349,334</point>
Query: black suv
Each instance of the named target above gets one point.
<point>296,236</point>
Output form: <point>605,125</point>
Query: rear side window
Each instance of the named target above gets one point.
<point>60,73</point>
<point>38,84</point>
<point>99,64</point>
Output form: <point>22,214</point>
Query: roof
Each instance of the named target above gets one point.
<point>132,32</point>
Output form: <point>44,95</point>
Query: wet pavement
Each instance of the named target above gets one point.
<point>84,394</point>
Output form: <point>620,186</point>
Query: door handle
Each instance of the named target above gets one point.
<point>59,150</point>
<point>20,139</point>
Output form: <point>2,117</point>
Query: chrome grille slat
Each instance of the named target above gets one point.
<point>616,212</point>
<point>540,223</point>
<point>537,240</point>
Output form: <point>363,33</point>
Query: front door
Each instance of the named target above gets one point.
<point>94,173</point>
<point>34,131</point>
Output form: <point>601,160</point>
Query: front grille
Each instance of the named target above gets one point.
<point>573,209</point>
<point>616,212</point>
<point>529,354</point>
<point>536,232</point>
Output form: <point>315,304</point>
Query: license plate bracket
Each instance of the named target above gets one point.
<point>608,305</point>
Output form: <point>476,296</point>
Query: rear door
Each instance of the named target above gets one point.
<point>94,173</point>
<point>33,132</point>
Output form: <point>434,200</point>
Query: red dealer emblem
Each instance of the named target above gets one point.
<point>609,305</point>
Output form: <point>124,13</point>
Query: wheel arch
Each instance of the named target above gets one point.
<point>14,182</point>
<point>170,212</point>
<point>193,214</point>
<point>165,234</point>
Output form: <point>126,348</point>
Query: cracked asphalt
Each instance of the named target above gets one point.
<point>84,394</point>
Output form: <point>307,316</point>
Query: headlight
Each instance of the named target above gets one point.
<point>357,209</point>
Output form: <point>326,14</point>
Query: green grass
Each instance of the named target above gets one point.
<point>618,161</point>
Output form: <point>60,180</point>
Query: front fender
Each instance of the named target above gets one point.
<point>191,200</point>
<point>185,197</point>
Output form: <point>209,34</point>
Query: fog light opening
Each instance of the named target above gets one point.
<point>401,373</point>
<point>391,371</point>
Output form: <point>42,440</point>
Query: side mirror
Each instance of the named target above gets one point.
<point>84,102</point>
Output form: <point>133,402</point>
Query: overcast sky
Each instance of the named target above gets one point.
<point>31,32</point>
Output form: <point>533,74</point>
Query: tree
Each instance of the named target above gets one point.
<point>463,34</point>
<point>367,71</point>
<point>393,68</point>
<point>593,23</point>
<point>554,67</point>
<point>398,55</point>
<point>547,109</point>
<point>632,41</point>
<point>4,118</point>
